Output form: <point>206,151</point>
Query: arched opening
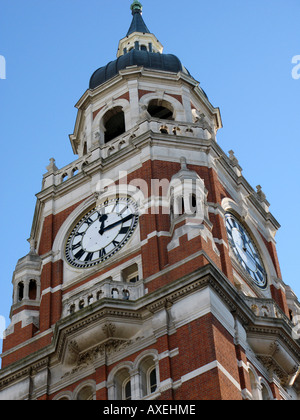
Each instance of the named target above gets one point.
<point>254,386</point>
<point>148,376</point>
<point>265,393</point>
<point>32,290</point>
<point>86,394</point>
<point>114,123</point>
<point>122,382</point>
<point>20,291</point>
<point>192,204</point>
<point>160,109</point>
<point>115,293</point>
<point>125,294</point>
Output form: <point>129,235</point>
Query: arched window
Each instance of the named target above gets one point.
<point>265,393</point>
<point>122,382</point>
<point>254,385</point>
<point>85,394</point>
<point>148,376</point>
<point>160,109</point>
<point>114,123</point>
<point>127,391</point>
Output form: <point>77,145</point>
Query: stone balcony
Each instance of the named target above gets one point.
<point>266,308</point>
<point>174,128</point>
<point>106,289</point>
<point>101,150</point>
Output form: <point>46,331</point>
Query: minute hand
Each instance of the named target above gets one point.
<point>113,225</point>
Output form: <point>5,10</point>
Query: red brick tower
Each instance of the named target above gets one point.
<point>152,272</point>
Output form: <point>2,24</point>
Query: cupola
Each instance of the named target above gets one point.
<point>139,48</point>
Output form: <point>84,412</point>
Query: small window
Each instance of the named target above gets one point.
<point>134,279</point>
<point>131,274</point>
<point>143,48</point>
<point>127,391</point>
<point>153,381</point>
<point>20,291</point>
<point>32,290</point>
<point>193,204</point>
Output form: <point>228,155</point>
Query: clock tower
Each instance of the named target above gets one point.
<point>152,272</point>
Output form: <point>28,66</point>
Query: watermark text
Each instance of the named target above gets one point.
<point>2,67</point>
<point>296,68</point>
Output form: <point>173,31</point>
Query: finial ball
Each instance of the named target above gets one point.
<point>136,7</point>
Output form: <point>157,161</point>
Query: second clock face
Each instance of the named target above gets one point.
<point>245,251</point>
<point>102,232</point>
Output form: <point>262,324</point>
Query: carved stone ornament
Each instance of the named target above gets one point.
<point>87,358</point>
<point>199,118</point>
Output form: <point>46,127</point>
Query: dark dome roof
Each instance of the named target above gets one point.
<point>149,60</point>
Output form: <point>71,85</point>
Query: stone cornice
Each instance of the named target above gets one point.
<point>145,307</point>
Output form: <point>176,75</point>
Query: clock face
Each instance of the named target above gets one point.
<point>102,232</point>
<point>245,251</point>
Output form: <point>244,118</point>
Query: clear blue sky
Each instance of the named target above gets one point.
<point>240,50</point>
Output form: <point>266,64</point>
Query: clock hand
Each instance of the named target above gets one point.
<point>244,239</point>
<point>113,225</point>
<point>102,219</point>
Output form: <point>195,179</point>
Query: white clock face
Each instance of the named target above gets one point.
<point>245,251</point>
<point>102,232</point>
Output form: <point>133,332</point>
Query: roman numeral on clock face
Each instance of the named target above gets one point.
<point>89,257</point>
<point>102,253</point>
<point>76,246</point>
<point>79,254</point>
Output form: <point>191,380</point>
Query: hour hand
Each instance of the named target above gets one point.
<point>102,219</point>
